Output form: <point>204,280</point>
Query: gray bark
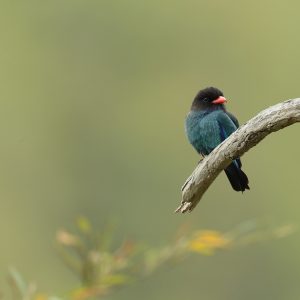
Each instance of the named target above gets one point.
<point>243,139</point>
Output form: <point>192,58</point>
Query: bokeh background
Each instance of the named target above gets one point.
<point>93,100</point>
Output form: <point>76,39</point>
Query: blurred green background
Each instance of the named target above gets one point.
<point>93,100</point>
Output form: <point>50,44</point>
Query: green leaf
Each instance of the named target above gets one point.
<point>18,281</point>
<point>115,279</point>
<point>84,225</point>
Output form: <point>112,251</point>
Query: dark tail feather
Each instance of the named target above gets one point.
<point>238,179</point>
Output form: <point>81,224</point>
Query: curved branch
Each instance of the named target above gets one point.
<point>244,138</point>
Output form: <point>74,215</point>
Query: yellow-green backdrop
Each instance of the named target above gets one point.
<point>93,96</point>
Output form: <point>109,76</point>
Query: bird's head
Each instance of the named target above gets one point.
<point>210,97</point>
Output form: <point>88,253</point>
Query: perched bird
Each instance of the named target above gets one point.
<point>208,124</point>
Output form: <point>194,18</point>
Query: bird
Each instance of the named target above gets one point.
<point>208,124</point>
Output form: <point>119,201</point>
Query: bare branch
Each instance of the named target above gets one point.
<point>247,136</point>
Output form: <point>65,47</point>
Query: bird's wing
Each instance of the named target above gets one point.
<point>214,129</point>
<point>233,119</point>
<point>210,131</point>
<point>226,124</point>
<point>227,127</point>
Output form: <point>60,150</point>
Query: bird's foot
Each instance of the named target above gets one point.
<point>200,161</point>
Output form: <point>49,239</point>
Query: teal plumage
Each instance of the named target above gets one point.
<point>208,124</point>
<point>206,130</point>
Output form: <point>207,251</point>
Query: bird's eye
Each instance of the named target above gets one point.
<point>205,99</point>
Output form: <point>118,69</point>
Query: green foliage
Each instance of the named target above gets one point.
<point>104,266</point>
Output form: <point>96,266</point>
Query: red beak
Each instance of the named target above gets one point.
<point>220,100</point>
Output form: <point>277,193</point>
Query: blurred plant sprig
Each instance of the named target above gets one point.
<point>103,268</point>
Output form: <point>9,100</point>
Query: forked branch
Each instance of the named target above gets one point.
<point>247,136</point>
